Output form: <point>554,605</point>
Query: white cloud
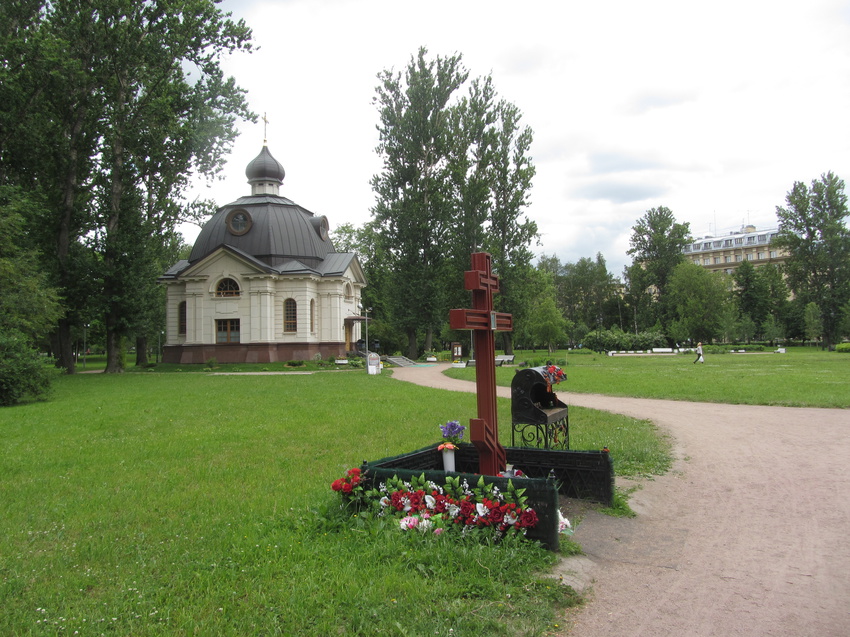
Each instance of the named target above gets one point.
<point>713,110</point>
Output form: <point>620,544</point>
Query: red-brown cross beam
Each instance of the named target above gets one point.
<point>484,430</point>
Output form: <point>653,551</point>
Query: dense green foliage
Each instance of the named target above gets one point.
<point>618,340</point>
<point>656,248</point>
<point>29,306</point>
<point>110,108</point>
<point>22,371</point>
<point>813,229</point>
<point>455,180</point>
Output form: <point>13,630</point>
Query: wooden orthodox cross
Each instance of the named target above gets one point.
<point>484,430</point>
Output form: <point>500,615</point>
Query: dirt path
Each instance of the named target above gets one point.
<point>748,535</point>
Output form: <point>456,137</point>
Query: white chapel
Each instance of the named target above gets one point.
<point>263,283</point>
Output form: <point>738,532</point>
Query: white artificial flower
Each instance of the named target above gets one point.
<point>430,501</point>
<point>564,525</point>
<point>481,510</point>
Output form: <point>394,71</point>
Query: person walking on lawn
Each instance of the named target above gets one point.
<point>699,359</point>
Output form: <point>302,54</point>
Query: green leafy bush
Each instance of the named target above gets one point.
<point>22,370</point>
<point>844,348</point>
<point>618,340</point>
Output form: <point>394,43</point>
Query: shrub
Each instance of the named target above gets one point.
<point>844,348</point>
<point>294,363</point>
<point>22,371</point>
<point>618,340</point>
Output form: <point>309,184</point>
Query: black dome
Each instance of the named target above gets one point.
<point>265,225</point>
<point>264,167</point>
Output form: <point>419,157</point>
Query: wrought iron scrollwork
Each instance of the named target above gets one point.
<point>554,435</point>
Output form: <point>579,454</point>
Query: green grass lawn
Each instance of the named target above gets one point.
<point>803,377</point>
<point>178,504</point>
<point>186,503</point>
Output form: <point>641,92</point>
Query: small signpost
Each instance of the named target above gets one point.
<point>484,322</point>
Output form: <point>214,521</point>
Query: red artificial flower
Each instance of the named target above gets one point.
<point>346,487</point>
<point>397,500</point>
<point>527,518</point>
<point>336,485</point>
<point>496,515</point>
<point>467,511</point>
<point>441,503</point>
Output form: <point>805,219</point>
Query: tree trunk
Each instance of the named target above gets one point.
<point>141,351</point>
<point>114,350</point>
<point>412,346</point>
<point>508,343</point>
<point>64,347</point>
<point>429,339</point>
<point>114,336</point>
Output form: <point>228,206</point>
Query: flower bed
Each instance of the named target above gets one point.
<point>437,502</point>
<point>586,475</point>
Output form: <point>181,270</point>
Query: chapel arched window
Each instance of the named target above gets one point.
<point>227,287</point>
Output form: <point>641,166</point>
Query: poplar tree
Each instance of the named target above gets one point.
<point>414,204</point>
<point>656,248</point>
<point>455,180</point>
<point>511,233</point>
<point>813,230</point>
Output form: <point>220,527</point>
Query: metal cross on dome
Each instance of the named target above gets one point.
<point>484,322</point>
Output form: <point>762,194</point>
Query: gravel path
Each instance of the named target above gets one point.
<point>747,535</point>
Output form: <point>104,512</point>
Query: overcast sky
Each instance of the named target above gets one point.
<point>711,109</point>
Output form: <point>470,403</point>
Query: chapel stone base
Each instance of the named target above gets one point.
<point>249,353</point>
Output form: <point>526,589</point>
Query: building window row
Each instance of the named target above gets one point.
<point>227,330</point>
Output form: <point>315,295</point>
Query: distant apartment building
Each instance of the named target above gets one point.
<point>726,252</point>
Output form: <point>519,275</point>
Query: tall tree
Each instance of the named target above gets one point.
<point>697,298</point>
<point>456,179</point>
<point>133,97</point>
<point>656,248</point>
<point>777,291</point>
<point>814,321</point>
<point>48,135</point>
<point>751,292</point>
<point>161,124</point>
<point>813,230</point>
<point>510,232</point>
<point>587,286</point>
<point>414,208</point>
